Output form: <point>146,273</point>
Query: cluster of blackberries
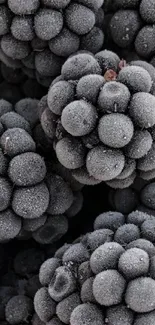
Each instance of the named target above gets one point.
<point>33,195</point>
<point>106,277</point>
<point>95,124</point>
<point>131,25</point>
<point>36,35</point>
<point>100,113</point>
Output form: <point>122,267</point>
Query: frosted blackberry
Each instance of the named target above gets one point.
<point>38,35</point>
<point>114,276</point>
<point>95,145</point>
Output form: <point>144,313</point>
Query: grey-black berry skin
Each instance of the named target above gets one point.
<point>47,270</point>
<point>66,306</point>
<point>127,24</point>
<point>137,79</point>
<point>61,195</point>
<point>93,41</point>
<point>85,313</point>
<point>10,225</point>
<point>14,48</point>
<point>85,64</point>
<point>111,163</point>
<point>48,23</point>
<point>65,43</point>
<point>107,60</point>
<point>28,108</point>
<point>22,8</point>
<point>44,305</point>
<point>140,290</point>
<point>59,95</point>
<point>114,97</point>
<point>70,152</point>
<point>15,141</point>
<point>59,292</point>
<point>105,257</point>
<point>89,87</point>
<point>108,287</point>
<point>141,109</point>
<point>115,130</point>
<point>146,163</point>
<point>111,220</point>
<point>18,309</point>
<point>13,120</point>
<point>55,227</point>
<point>79,118</point>
<point>147,195</point>
<point>143,42</point>
<point>30,202</point>
<point>27,169</point>
<point>140,145</point>
<point>22,28</point>
<point>137,260</point>
<point>120,315</point>
<point>111,281</point>
<point>5,15</point>
<point>79,18</point>
<point>5,193</point>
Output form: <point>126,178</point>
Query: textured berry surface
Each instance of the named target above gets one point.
<point>111,282</point>
<point>104,118</point>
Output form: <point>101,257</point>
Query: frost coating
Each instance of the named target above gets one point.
<point>109,282</point>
